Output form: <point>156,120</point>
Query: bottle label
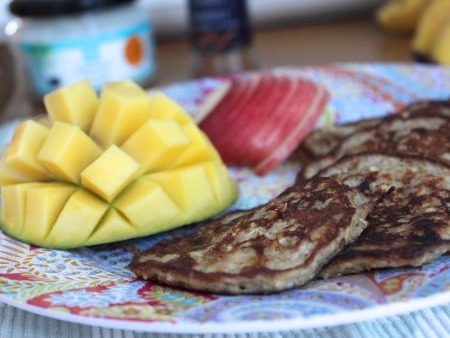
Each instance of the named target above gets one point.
<point>219,25</point>
<point>112,56</point>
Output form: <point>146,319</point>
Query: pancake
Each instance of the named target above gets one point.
<point>277,246</point>
<point>409,227</point>
<point>321,142</point>
<point>426,136</point>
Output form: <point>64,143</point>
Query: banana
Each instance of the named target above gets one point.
<point>441,50</point>
<point>401,16</point>
<point>432,37</point>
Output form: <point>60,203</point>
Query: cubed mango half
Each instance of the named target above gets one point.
<point>139,167</point>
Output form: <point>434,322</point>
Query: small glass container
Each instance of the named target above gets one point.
<point>221,37</point>
<point>64,41</point>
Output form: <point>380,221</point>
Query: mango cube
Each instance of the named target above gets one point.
<point>189,187</point>
<point>77,220</point>
<point>9,175</point>
<point>112,226</point>
<point>68,151</point>
<point>124,107</point>
<point>148,207</point>
<point>44,202</point>
<point>99,178</point>
<point>21,153</point>
<point>200,149</point>
<point>225,190</point>
<point>13,207</point>
<point>162,107</point>
<point>157,144</point>
<point>75,104</point>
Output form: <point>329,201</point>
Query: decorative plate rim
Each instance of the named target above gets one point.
<point>298,323</point>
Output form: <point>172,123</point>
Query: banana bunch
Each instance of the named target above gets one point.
<point>427,20</point>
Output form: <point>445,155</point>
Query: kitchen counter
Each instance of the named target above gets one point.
<point>360,40</point>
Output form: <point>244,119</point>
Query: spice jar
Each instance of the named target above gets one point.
<point>220,37</point>
<point>64,41</point>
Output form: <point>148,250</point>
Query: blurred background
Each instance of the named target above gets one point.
<point>170,17</point>
<point>284,33</point>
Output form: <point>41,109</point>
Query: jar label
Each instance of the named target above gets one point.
<point>113,56</point>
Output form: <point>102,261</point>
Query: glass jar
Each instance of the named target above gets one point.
<point>65,41</point>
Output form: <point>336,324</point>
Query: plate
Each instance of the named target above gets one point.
<point>94,286</point>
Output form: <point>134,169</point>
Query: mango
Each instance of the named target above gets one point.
<point>67,151</point>
<point>43,204</point>
<point>200,150</point>
<point>148,207</point>
<point>75,104</point>
<point>77,220</point>
<point>107,186</point>
<point>13,207</point>
<point>124,107</point>
<point>222,185</point>
<point>112,225</point>
<point>157,144</point>
<point>190,188</point>
<point>139,167</point>
<point>21,153</point>
<point>164,108</point>
<point>9,175</point>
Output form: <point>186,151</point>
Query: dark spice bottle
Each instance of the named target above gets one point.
<point>221,38</point>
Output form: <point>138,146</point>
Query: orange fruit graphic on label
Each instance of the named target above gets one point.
<point>134,50</point>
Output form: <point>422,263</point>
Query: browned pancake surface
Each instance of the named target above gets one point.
<point>322,142</point>
<point>277,246</point>
<point>426,136</point>
<point>409,227</point>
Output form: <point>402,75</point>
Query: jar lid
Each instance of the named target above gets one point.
<point>41,8</point>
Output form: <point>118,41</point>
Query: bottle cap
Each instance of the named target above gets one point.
<point>42,8</point>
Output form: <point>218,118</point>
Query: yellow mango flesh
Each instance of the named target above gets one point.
<point>148,206</point>
<point>44,202</point>
<point>107,186</point>
<point>13,207</point>
<point>164,108</point>
<point>10,176</point>
<point>223,187</point>
<point>21,154</point>
<point>77,220</point>
<point>112,225</point>
<point>157,144</point>
<point>190,188</point>
<point>123,108</point>
<point>75,104</point>
<point>200,149</point>
<point>67,151</point>
<point>143,167</point>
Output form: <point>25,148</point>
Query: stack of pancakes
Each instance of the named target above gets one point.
<point>372,194</point>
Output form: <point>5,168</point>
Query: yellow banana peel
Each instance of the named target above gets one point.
<point>432,36</point>
<point>427,20</point>
<point>401,16</point>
